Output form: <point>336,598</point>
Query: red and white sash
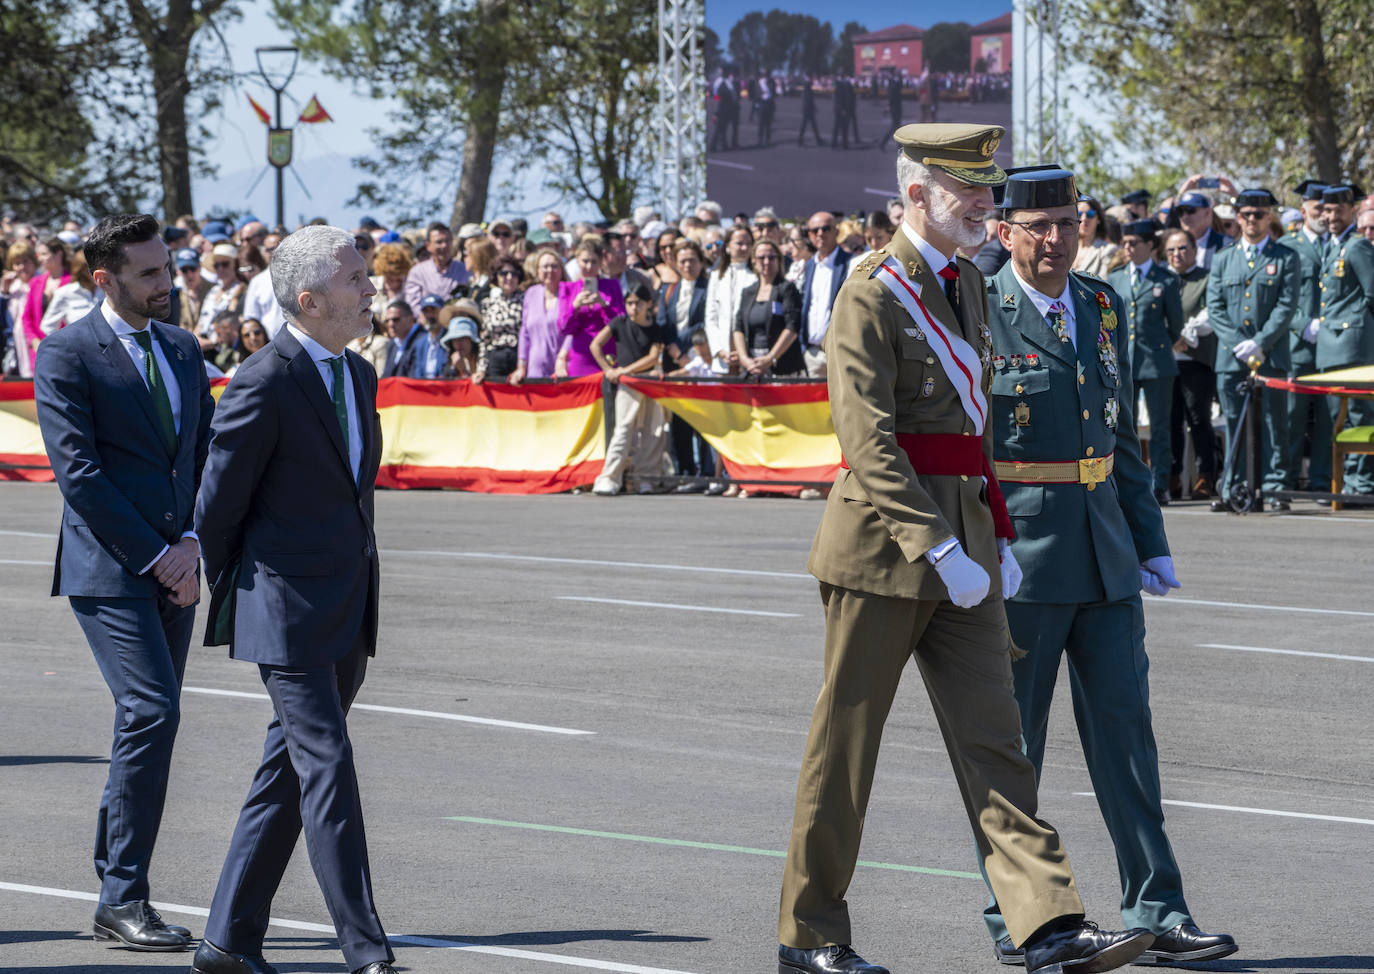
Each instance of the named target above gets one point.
<point>957,357</point>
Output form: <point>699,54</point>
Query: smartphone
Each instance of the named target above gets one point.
<point>588,285</point>
<point>1209,182</point>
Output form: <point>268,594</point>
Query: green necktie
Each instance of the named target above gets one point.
<point>158,390</point>
<point>340,403</point>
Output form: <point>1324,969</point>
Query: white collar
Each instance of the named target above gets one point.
<point>929,254</point>
<point>314,349</point>
<point>120,326</point>
<point>1040,299</point>
<point>1259,247</point>
<point>1313,237</point>
<point>830,260</point>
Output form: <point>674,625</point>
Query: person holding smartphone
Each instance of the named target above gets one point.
<point>584,308</point>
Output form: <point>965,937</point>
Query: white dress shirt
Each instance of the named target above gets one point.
<point>321,357</point>
<point>1043,301</point>
<point>818,314</point>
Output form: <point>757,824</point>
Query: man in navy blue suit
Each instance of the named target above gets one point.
<point>821,280</point>
<point>285,517</point>
<point>124,406</point>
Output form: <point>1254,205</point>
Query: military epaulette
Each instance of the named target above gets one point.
<point>870,264</point>
<point>1089,278</point>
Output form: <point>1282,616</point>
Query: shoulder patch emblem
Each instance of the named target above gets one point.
<point>871,263</point>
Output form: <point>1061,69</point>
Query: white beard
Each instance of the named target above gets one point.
<point>942,218</point>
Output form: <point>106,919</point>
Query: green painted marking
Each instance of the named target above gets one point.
<point>689,844</point>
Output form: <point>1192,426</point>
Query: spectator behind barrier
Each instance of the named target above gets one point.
<point>769,318</point>
<point>724,288</point>
<point>682,303</point>
<point>54,265</point>
<point>537,347</point>
<point>390,266</point>
<point>585,306</point>
<point>638,439</point>
<point>225,352</point>
<point>461,322</point>
<point>501,313</point>
<point>73,300</point>
<point>1095,249</point>
<point>21,262</point>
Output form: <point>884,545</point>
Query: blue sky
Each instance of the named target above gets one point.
<point>873,14</point>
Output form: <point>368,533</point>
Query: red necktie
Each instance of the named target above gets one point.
<point>950,274</point>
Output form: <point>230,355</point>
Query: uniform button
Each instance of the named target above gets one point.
<point>367,551</point>
<point>1089,451</point>
<point>1019,390</point>
<point>1081,380</point>
<point>1085,414</point>
<point>1091,486</point>
<point>964,477</point>
<point>1345,324</point>
<point>174,471</point>
<point>168,515</point>
<point>1322,318</point>
<point>1247,294</point>
<point>929,360</point>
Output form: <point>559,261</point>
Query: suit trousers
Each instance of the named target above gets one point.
<point>1194,387</point>
<point>1109,684</point>
<point>140,646</point>
<point>1306,412</point>
<point>306,781</point>
<point>1273,432</point>
<point>1159,401</point>
<point>963,657</point>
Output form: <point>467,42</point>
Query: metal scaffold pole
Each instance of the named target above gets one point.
<point>682,105</point>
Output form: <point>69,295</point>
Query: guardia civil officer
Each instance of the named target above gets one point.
<point>1344,329</point>
<point>1154,319</point>
<point>1089,534</point>
<point>1308,242</point>
<point>1252,296</point>
<point>907,555</point>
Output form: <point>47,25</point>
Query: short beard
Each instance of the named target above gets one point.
<point>123,303</point>
<point>941,217</point>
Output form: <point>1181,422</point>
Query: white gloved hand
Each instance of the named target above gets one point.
<point>1011,571</point>
<point>1309,334</point>
<point>965,579</point>
<point>1190,334</point>
<point>1157,575</point>
<point>1249,349</point>
<point>1202,324</point>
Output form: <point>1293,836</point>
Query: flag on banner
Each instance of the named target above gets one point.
<point>493,438</point>
<point>778,432</point>
<point>262,112</point>
<point>22,454</point>
<point>314,112</point>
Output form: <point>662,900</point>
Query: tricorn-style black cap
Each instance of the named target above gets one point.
<point>1037,188</point>
<point>1145,229</point>
<point>1136,196</point>
<point>1255,197</point>
<point>1346,193</point>
<point>1310,189</point>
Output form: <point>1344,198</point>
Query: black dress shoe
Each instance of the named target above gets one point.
<point>1220,506</point>
<point>1008,953</point>
<point>1278,505</point>
<point>1081,948</point>
<point>376,967</point>
<point>136,925</point>
<point>175,928</point>
<point>835,959</point>
<point>210,959</point>
<point>1187,943</point>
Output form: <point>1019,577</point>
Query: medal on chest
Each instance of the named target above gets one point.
<point>1108,315</point>
<point>927,387</point>
<point>1022,414</point>
<point>1109,413</point>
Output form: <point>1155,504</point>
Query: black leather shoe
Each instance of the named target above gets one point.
<point>1220,506</point>
<point>376,967</point>
<point>211,960</point>
<point>179,930</point>
<point>1008,953</point>
<point>1278,505</point>
<point>1081,948</point>
<point>1187,943</point>
<point>136,925</point>
<point>835,959</point>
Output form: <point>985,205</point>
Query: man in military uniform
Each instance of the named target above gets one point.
<point>907,555</point>
<point>1308,242</point>
<point>1251,298</point>
<point>1154,309</point>
<point>1137,203</point>
<point>1196,385</point>
<point>1089,534</point>
<point>1344,329</point>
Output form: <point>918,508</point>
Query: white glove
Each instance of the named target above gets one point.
<point>965,579</point>
<point>1157,575</point>
<point>1011,571</point>
<point>1309,334</point>
<point>1190,334</point>
<point>1249,349</point>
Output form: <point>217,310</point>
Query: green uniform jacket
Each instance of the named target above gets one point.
<point>1346,334</point>
<point>883,377</point>
<point>1154,319</point>
<point>1074,545</point>
<point>1254,302</point>
<point>1193,294</point>
<point>1302,356</point>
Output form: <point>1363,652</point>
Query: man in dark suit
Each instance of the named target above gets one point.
<point>286,520</point>
<point>406,335</point>
<point>821,280</point>
<point>124,406</point>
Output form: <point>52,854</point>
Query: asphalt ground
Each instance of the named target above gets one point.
<point>799,180</point>
<point>653,843</point>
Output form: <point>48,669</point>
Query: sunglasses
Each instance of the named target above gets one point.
<point>1086,214</point>
<point>362,243</point>
<point>1252,214</point>
<point>247,269</point>
<point>827,227</point>
<point>767,224</point>
<point>253,333</point>
<point>508,272</point>
<point>500,233</point>
<point>223,264</point>
<point>1185,210</point>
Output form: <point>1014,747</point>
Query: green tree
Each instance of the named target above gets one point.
<point>946,47</point>
<point>842,61</point>
<point>1268,90</point>
<point>747,38</point>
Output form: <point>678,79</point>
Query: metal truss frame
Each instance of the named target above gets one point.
<point>681,105</point>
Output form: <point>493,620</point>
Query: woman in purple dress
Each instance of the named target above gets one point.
<point>584,308</point>
<point>539,335</point>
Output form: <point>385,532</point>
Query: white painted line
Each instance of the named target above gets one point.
<point>545,559</point>
<point>1303,517</point>
<point>16,561</point>
<point>1257,811</point>
<point>1286,652</point>
<point>686,608</point>
<point>1175,600</point>
<point>437,715</point>
<point>880,192</point>
<point>198,911</point>
<point>729,165</point>
<point>50,535</point>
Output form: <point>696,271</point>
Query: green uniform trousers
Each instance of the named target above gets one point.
<point>1159,401</point>
<point>1109,683</point>
<point>963,657</point>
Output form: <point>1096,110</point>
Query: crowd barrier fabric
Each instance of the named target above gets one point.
<point>22,456</point>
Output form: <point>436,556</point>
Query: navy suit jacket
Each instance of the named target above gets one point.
<point>407,364</point>
<point>286,531</point>
<point>842,259</point>
<point>124,499</point>
<point>677,331</point>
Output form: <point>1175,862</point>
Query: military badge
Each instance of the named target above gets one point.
<point>915,333</point>
<point>999,362</point>
<point>1157,292</point>
<point>870,264</point>
<point>1339,269</point>
<point>1103,301</point>
<point>928,388</point>
<point>1016,360</point>
<point>1008,300</point>
<point>1022,414</point>
<point>1109,413</point>
<point>1271,269</point>
<point>913,268</point>
<point>1032,360</point>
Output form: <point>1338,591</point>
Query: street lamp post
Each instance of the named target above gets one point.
<point>277,69</point>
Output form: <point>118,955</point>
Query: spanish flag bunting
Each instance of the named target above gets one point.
<point>22,455</point>
<point>262,112</point>
<point>779,432</point>
<point>494,438</point>
<point>314,112</point>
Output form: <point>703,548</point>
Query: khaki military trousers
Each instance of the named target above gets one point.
<point>963,657</point>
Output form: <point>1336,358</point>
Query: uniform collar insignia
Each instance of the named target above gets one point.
<point>1009,300</point>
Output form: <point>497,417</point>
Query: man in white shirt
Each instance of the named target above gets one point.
<point>824,274</point>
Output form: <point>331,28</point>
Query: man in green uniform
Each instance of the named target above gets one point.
<point>1089,534</point>
<point>1196,385</point>
<point>910,564</point>
<point>1154,311</point>
<point>1344,329</point>
<point>1252,296</point>
<point>1308,241</point>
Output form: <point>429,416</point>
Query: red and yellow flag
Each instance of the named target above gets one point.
<point>314,112</point>
<point>22,455</point>
<point>494,438</point>
<point>262,112</point>
<point>776,432</point>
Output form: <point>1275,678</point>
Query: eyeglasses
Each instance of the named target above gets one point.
<point>500,233</point>
<point>828,227</point>
<point>1252,214</point>
<point>766,224</point>
<point>509,272</point>
<point>1040,229</point>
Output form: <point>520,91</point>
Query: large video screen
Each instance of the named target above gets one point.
<point>801,104</point>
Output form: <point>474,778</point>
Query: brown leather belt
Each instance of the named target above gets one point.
<point>1089,471</point>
